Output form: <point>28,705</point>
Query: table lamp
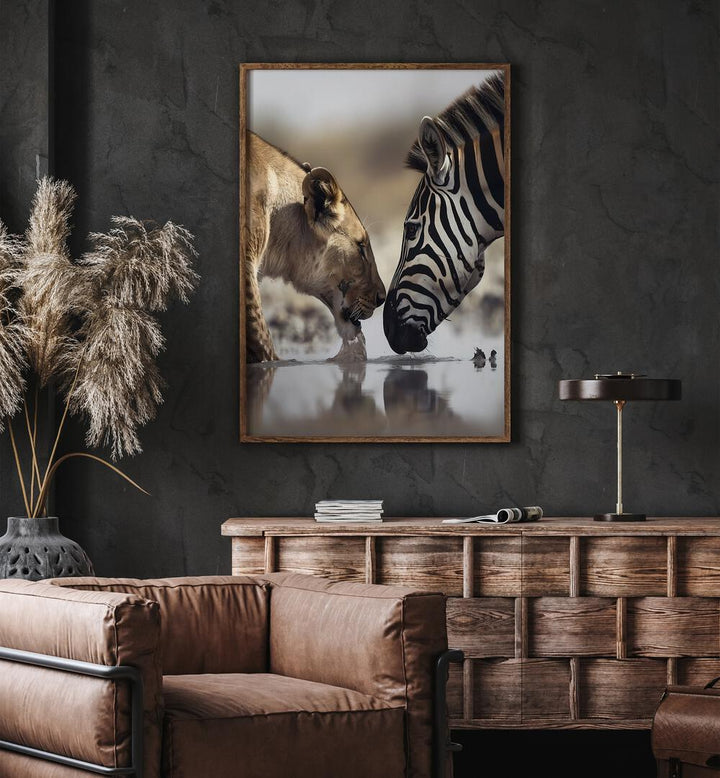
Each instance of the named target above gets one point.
<point>620,388</point>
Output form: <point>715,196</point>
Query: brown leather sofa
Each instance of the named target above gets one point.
<point>279,676</point>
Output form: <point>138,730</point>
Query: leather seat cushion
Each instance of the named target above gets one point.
<point>262,725</point>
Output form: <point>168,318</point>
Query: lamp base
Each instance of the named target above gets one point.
<point>620,517</point>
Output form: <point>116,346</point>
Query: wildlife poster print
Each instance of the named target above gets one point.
<point>375,252</point>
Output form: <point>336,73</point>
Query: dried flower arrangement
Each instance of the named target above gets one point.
<point>87,326</point>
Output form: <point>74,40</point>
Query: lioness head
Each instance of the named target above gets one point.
<point>343,275</point>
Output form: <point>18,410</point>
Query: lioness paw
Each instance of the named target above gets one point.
<point>352,350</point>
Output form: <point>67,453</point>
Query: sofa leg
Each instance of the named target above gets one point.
<point>119,672</point>
<point>441,734</point>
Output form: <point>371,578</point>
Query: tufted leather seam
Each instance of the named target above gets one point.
<point>353,711</point>
<point>61,599</point>
<point>137,587</point>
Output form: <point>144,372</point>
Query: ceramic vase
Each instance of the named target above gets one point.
<point>35,549</point>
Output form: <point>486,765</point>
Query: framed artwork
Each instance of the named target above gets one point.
<point>375,253</point>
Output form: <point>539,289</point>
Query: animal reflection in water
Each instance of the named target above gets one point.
<point>258,386</point>
<point>349,398</point>
<point>409,399</point>
<point>347,410</point>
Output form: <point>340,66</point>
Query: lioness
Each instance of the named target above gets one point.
<point>303,229</point>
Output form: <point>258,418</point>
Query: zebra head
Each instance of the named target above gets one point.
<point>457,211</point>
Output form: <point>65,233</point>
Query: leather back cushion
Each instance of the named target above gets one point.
<point>327,635</point>
<point>210,624</point>
<point>379,640</point>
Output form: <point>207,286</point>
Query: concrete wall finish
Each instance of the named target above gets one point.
<point>25,148</point>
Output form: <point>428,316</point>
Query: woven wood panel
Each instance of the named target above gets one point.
<point>339,559</point>
<point>673,626</point>
<point>248,556</point>
<point>572,626</point>
<point>497,566</point>
<point>431,564</point>
<point>545,566</point>
<point>482,627</point>
<point>545,689</point>
<point>697,672</point>
<point>699,567</point>
<point>497,691</point>
<point>623,567</point>
<point>519,691</point>
<point>626,688</point>
<point>455,691</point>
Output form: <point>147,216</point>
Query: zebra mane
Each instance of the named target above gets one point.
<point>481,108</point>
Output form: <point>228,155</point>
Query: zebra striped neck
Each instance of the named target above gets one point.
<point>457,211</point>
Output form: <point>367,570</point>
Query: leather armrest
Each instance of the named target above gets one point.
<point>81,717</point>
<point>379,640</point>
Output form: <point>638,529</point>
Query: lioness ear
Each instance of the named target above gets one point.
<point>323,198</point>
<point>433,147</point>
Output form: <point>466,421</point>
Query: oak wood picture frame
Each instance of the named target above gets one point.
<point>246,434</point>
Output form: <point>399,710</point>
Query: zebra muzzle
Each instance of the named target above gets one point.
<point>402,336</point>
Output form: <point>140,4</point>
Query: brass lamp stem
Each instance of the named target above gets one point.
<point>619,404</point>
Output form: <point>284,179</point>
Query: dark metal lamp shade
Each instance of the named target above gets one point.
<point>620,388</point>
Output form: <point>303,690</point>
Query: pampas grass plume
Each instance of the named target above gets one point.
<point>89,322</point>
<point>53,288</point>
<point>139,268</point>
<point>144,265</point>
<point>13,333</point>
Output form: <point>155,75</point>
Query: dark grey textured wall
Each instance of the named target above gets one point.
<point>24,104</point>
<point>24,136</point>
<point>614,264</point>
<point>615,216</point>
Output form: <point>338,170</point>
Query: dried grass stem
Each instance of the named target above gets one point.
<point>88,324</point>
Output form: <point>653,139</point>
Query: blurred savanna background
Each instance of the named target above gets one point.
<point>360,123</point>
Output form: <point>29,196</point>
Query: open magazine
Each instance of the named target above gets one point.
<point>503,516</point>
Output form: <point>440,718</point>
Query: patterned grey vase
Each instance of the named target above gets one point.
<point>35,549</point>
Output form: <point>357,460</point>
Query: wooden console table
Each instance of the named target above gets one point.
<point>565,623</point>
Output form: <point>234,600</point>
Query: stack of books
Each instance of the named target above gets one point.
<point>349,510</point>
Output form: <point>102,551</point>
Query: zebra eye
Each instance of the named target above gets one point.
<point>361,247</point>
<point>411,230</point>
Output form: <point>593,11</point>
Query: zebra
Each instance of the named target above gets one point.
<point>457,211</point>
